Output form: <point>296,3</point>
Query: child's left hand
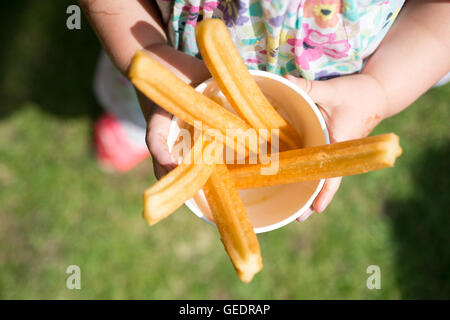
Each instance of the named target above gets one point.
<point>352,106</point>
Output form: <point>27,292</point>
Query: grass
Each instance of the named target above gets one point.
<point>58,209</point>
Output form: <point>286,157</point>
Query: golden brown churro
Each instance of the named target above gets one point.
<point>171,93</point>
<point>179,185</point>
<point>231,218</point>
<point>327,161</point>
<point>237,84</point>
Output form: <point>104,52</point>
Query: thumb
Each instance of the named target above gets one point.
<point>321,91</point>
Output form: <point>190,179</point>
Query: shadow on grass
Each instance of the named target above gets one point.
<point>421,227</point>
<point>44,62</point>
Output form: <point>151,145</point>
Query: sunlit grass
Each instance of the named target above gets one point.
<point>57,208</point>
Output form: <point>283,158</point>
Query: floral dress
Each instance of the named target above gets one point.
<point>313,39</point>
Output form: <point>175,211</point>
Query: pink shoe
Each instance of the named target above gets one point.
<point>115,151</point>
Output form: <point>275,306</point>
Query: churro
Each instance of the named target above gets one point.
<point>314,163</point>
<point>180,184</point>
<point>231,218</point>
<point>171,93</point>
<point>237,84</point>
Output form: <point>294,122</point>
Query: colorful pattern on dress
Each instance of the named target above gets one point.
<point>314,39</point>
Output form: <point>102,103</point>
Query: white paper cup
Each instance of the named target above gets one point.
<point>273,207</point>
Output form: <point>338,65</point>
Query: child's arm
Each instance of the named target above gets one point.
<point>124,27</point>
<point>412,57</point>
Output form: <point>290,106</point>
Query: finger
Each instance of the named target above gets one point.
<point>326,195</point>
<point>321,92</point>
<point>306,214</point>
<point>157,132</point>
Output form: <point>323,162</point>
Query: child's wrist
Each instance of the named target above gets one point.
<point>381,108</point>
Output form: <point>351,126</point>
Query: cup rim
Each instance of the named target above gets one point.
<point>173,130</point>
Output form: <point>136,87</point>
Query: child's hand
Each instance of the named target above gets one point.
<point>352,106</point>
<point>191,70</point>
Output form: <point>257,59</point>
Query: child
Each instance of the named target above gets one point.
<point>339,51</point>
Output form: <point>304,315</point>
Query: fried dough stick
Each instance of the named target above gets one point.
<point>231,218</point>
<point>177,97</point>
<point>180,184</point>
<point>237,84</point>
<point>327,161</point>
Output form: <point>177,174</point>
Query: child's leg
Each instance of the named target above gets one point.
<point>120,134</point>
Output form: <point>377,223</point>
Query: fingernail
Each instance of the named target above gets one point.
<point>304,216</point>
<point>319,207</point>
<point>322,204</point>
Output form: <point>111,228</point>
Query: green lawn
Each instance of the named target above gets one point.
<point>58,209</point>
